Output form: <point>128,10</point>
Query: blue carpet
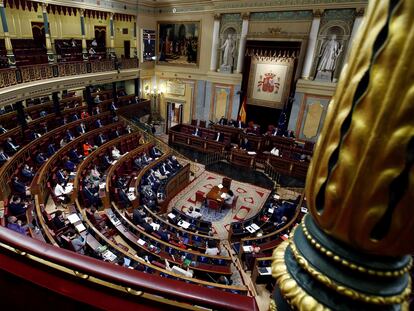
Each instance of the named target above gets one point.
<point>213,215</point>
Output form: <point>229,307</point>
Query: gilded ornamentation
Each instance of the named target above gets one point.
<point>360,184</point>
<point>343,290</point>
<point>351,265</point>
<point>289,288</point>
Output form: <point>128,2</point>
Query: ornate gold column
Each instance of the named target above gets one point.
<point>85,54</point>
<point>112,35</point>
<point>351,252</point>
<point>49,49</point>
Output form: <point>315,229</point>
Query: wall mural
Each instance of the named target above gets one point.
<point>269,81</point>
<point>178,43</point>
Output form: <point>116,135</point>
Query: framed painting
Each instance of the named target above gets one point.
<point>178,43</point>
<point>269,82</point>
<point>148,45</point>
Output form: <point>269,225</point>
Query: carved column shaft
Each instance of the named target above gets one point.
<point>49,49</point>
<point>242,45</point>
<point>112,33</point>
<point>215,45</point>
<point>310,51</point>
<point>85,53</point>
<point>7,41</point>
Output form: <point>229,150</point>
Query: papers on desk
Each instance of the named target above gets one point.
<point>80,227</point>
<point>73,218</point>
<point>102,185</point>
<point>220,186</point>
<point>271,210</point>
<point>131,189</point>
<point>155,226</point>
<point>69,188</point>
<point>254,226</point>
<point>248,249</point>
<point>251,153</point>
<point>183,224</point>
<point>108,255</point>
<point>304,210</point>
<point>141,242</point>
<point>265,271</point>
<point>72,174</point>
<point>223,195</point>
<point>131,196</point>
<point>171,216</point>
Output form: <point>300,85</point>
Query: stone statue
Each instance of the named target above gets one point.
<point>229,46</point>
<point>329,54</point>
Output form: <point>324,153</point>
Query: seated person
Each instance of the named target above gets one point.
<point>96,215</point>
<point>158,174</point>
<point>16,206</point>
<point>116,154</point>
<point>63,142</point>
<point>87,148</point>
<point>113,108</point>
<point>275,151</point>
<point>18,186</point>
<point>81,128</point>
<point>3,156</point>
<point>43,113</point>
<point>69,165</point>
<point>245,145</point>
<point>69,136</point>
<point>34,135</point>
<point>75,117</point>
<point>84,115</point>
<point>95,174</point>
<point>138,216</point>
<point>78,242</point>
<point>115,134</point>
<point>163,169</point>
<point>183,270</point>
<point>155,152</point>
<point>193,213</point>
<point>98,123</point>
<point>10,146</point>
<point>62,176</point>
<point>51,149</point>
<point>74,156</point>
<point>239,124</point>
<point>59,221</point>
<point>224,280</point>
<point>146,159</point>
<point>107,162</point>
<point>174,162</point>
<point>163,233</point>
<point>223,121</point>
<point>2,129</point>
<point>276,132</point>
<point>96,111</point>
<point>27,172</point>
<point>101,139</point>
<point>91,195</point>
<point>147,225</point>
<point>229,197</point>
<point>197,132</point>
<point>62,193</point>
<point>219,137</point>
<point>16,225</point>
<point>128,129</point>
<point>28,118</point>
<point>212,248</point>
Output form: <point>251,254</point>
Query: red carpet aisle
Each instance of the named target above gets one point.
<point>250,201</point>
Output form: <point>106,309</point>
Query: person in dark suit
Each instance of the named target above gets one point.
<point>74,156</point>
<point>2,129</point>
<point>98,123</point>
<point>138,216</point>
<point>27,172</point>
<point>115,134</point>
<point>10,146</point>
<point>41,158</point>
<point>3,156</point>
<point>69,136</point>
<point>81,129</point>
<point>75,117</point>
<point>51,149</point>
<point>34,135</point>
<point>113,108</point>
<point>147,225</point>
<point>155,152</point>
<point>16,206</point>
<point>245,144</point>
<point>123,198</point>
<point>58,220</point>
<point>91,195</point>
<point>223,121</point>
<point>69,165</point>
<point>107,162</point>
<point>197,132</point>
<point>219,137</point>
<point>100,139</point>
<point>239,124</point>
<point>62,177</point>
<point>163,233</point>
<point>18,186</point>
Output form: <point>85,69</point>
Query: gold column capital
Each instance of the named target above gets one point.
<point>44,7</point>
<point>82,12</point>
<point>317,13</point>
<point>217,16</point>
<point>245,16</point>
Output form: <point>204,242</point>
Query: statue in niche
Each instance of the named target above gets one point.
<point>328,57</point>
<point>228,56</point>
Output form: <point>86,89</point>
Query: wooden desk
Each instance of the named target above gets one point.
<point>242,158</point>
<point>215,194</point>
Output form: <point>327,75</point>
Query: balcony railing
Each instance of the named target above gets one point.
<point>24,74</point>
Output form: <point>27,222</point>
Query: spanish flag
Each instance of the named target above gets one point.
<point>242,111</point>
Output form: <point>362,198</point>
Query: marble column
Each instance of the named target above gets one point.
<point>215,45</point>
<point>112,35</point>
<point>310,51</point>
<point>359,14</point>
<point>9,48</point>
<point>242,45</point>
<point>85,54</point>
<point>49,50</point>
